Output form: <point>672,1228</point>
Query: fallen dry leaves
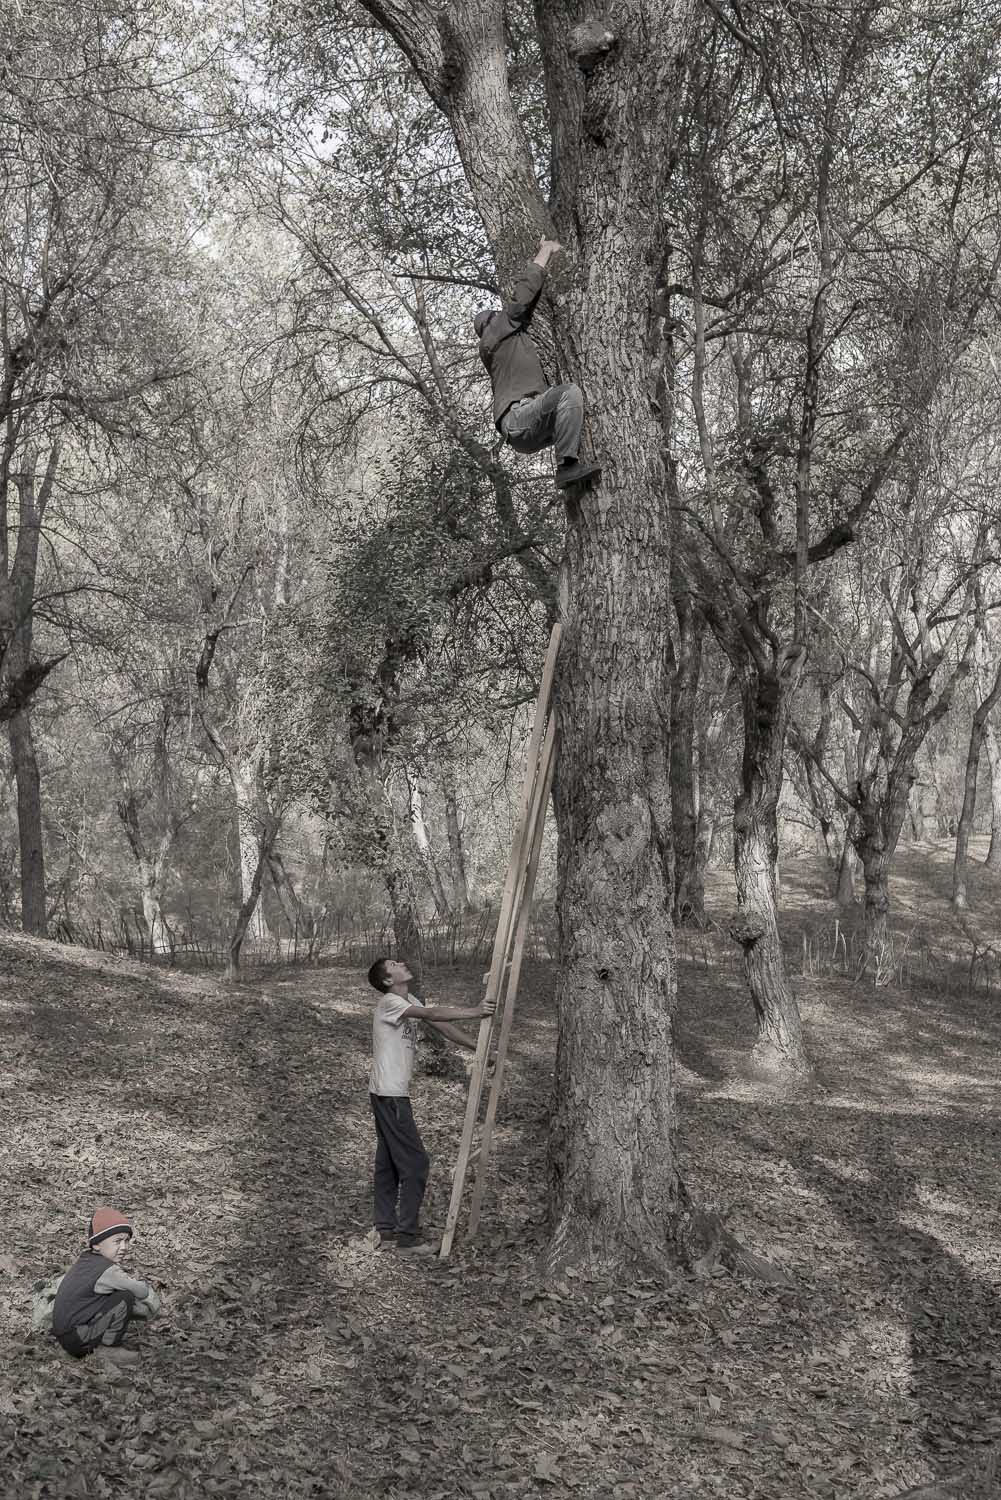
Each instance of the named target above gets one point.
<point>295,1361</point>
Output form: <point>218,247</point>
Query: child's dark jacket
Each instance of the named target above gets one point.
<point>85,1290</point>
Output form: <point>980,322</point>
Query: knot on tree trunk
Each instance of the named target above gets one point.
<point>590,43</point>
<point>747,929</point>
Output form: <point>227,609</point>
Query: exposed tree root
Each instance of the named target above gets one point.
<point>699,1243</point>
<point>767,1063</point>
<point>740,1261</point>
<point>705,1242</point>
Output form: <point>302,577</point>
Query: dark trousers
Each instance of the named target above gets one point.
<point>401,1165</point>
<point>553,419</point>
<point>107,1328</point>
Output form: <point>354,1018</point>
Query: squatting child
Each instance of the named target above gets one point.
<point>401,1162</point>
<point>96,1299</point>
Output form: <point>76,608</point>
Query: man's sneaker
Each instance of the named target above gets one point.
<point>114,1354</point>
<point>413,1244</point>
<point>576,471</point>
<point>386,1240</point>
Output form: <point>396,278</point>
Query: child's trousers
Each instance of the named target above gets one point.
<point>107,1328</point>
<point>401,1165</point>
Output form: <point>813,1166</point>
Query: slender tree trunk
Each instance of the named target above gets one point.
<point>29,823</point>
<point>705,838</point>
<point>848,867</point>
<point>461,898</point>
<point>779,1048</point>
<point>288,897</point>
<point>993,860</point>
<point>707,826</point>
<point>406,921</point>
<point>988,692</point>
<point>268,829</point>
<point>880,816</point>
<point>149,865</point>
<point>422,839</point>
<point>150,893</point>
<point>689,887</point>
<point>17,601</point>
<point>845,890</point>
<point>965,825</point>
<point>252,825</point>
<point>876,859</point>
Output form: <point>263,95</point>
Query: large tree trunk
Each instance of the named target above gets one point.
<point>689,887</point>
<point>29,823</point>
<point>779,1048</point>
<point>615,1190</point>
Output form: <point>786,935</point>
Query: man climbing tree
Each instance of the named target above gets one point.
<point>529,413</point>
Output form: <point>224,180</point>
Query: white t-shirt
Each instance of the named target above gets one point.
<point>394,1046</point>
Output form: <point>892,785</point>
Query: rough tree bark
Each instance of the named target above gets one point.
<point>779,1049</point>
<point>17,596</point>
<point>613,91</point>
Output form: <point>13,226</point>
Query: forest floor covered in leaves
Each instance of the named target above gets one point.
<point>293,1360</point>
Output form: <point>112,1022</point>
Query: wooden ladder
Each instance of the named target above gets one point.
<point>509,947</point>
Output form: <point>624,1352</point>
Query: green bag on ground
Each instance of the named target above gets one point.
<point>43,1296</point>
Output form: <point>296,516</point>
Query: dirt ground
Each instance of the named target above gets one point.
<point>294,1361</point>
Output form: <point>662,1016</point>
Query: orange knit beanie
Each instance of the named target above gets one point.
<point>104,1223</point>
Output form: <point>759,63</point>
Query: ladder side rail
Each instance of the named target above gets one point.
<point>513,889</point>
<point>507,1017</point>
